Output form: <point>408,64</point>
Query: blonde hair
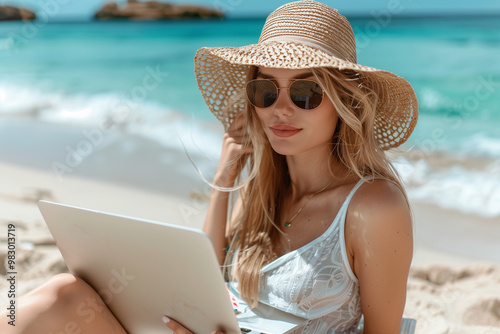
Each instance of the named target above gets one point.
<point>353,144</point>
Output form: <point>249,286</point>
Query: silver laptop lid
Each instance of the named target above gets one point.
<point>143,269</point>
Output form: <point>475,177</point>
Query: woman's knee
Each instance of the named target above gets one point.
<point>78,303</point>
<point>65,303</point>
<point>65,291</point>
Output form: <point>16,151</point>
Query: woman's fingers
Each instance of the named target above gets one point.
<point>238,134</point>
<point>235,151</point>
<point>179,329</point>
<point>237,123</point>
<point>236,128</point>
<point>176,327</point>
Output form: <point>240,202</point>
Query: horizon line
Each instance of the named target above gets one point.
<point>352,15</point>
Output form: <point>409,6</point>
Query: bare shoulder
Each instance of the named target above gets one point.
<point>377,196</point>
<point>378,200</point>
<point>378,212</point>
<point>380,248</point>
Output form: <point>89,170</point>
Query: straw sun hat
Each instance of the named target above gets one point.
<point>298,35</point>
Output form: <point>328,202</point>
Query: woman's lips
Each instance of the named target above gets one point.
<point>283,130</point>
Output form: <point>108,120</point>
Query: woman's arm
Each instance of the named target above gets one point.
<point>231,162</point>
<point>380,227</point>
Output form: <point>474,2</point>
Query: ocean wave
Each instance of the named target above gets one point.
<point>111,112</point>
<point>476,100</point>
<point>481,144</point>
<point>432,99</point>
<point>463,175</point>
<point>453,182</point>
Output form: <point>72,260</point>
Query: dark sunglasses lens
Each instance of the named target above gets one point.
<point>262,93</point>
<point>306,94</point>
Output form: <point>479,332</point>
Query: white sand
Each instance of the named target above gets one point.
<point>37,256</point>
<point>454,284</point>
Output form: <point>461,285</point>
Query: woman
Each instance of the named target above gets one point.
<point>322,228</point>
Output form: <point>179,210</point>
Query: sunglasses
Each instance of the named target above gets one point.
<point>305,94</point>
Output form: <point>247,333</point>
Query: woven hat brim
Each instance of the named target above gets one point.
<point>221,72</point>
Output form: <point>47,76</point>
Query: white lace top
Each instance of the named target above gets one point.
<point>316,282</point>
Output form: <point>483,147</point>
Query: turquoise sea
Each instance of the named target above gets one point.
<point>64,78</point>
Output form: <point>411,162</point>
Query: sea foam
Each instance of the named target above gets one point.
<point>115,111</point>
<point>462,176</point>
<point>469,188</point>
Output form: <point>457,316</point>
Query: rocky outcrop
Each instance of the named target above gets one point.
<point>8,13</point>
<point>153,10</point>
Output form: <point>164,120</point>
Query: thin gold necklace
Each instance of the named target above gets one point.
<point>288,223</point>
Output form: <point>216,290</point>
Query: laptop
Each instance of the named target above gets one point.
<point>144,270</point>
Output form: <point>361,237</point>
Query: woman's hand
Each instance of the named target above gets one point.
<point>235,150</point>
<point>177,328</point>
<point>233,155</point>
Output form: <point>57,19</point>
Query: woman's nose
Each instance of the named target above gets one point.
<point>283,105</point>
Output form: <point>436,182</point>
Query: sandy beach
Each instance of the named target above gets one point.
<point>454,284</point>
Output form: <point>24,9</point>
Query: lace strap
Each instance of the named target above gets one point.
<point>343,249</point>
